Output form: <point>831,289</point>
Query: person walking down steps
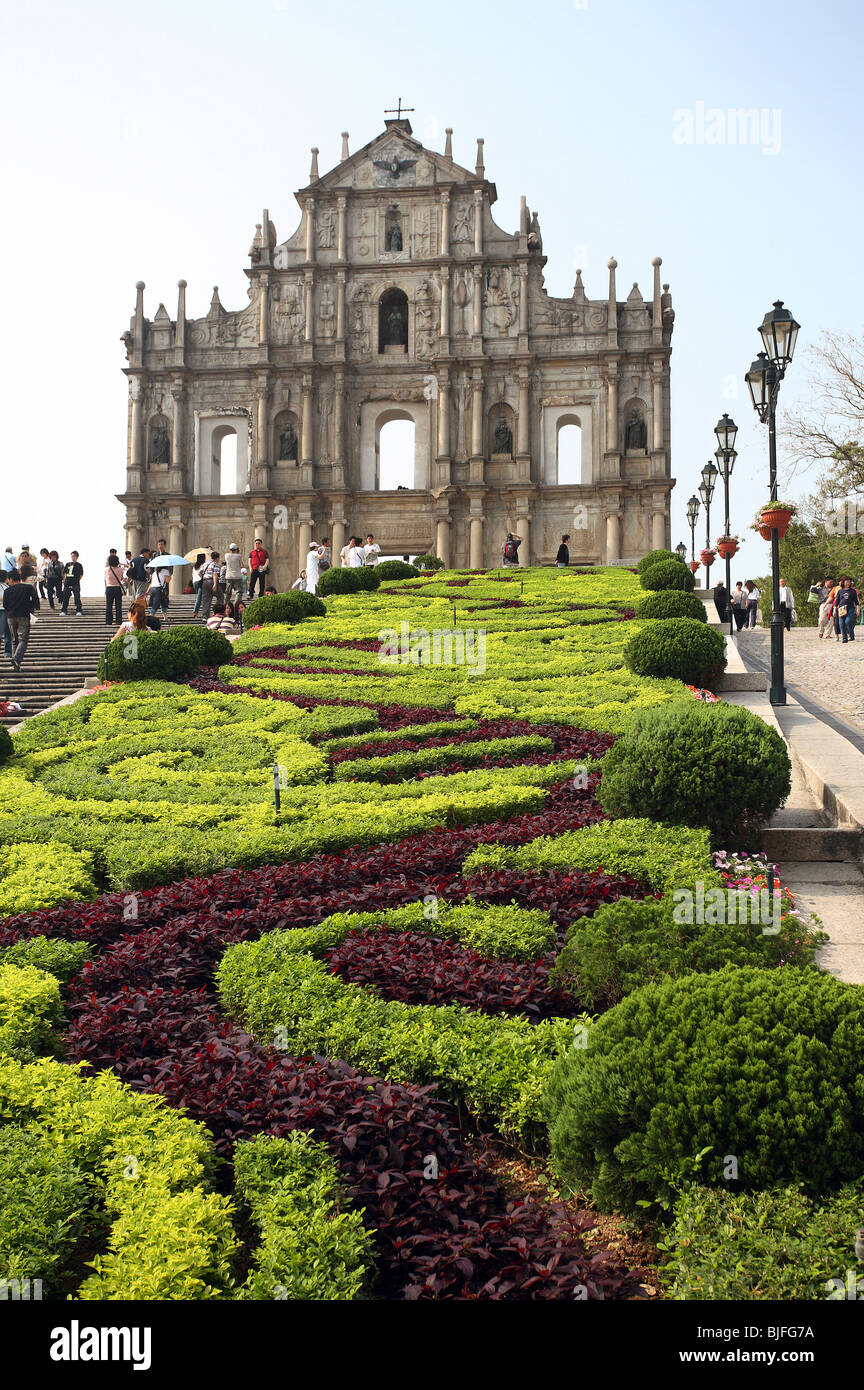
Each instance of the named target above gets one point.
<point>113,588</point>
<point>73,573</point>
<point>20,601</point>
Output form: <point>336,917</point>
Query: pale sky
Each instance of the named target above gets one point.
<point>143,143</point>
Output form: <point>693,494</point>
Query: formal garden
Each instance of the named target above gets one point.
<point>416,947</point>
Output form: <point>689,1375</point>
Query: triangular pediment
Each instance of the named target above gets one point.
<point>394,159</point>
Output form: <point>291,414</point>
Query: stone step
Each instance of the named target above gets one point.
<point>741,680</point>
<point>813,844</point>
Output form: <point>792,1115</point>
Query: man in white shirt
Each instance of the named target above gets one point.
<point>312,568</point>
<point>159,587</point>
<point>233,575</point>
<point>354,558</point>
<point>209,576</point>
<point>343,553</point>
<point>371,550</point>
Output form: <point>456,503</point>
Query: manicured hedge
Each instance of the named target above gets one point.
<point>654,557</point>
<point>671,603</point>
<point>46,1211</point>
<point>668,574</point>
<point>30,1011</point>
<point>683,648</point>
<point>716,765</point>
<point>7,747</point>
<point>145,656</point>
<point>761,1065</point>
<point>427,562</point>
<point>388,570</point>
<point>503,932</point>
<point>292,607</point>
<point>211,648</point>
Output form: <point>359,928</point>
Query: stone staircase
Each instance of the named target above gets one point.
<point>63,654</point>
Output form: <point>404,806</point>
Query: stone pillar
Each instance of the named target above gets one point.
<point>523,529</point>
<point>263,309</point>
<point>478,301</point>
<point>442,540</point>
<point>478,221</point>
<point>338,415</point>
<point>612,411</point>
<point>136,441</point>
<point>612,309</point>
<point>176,542</point>
<point>177,424</point>
<point>337,540</point>
<point>262,434</point>
<point>657,411</point>
<point>445,223</point>
<point>341,205</point>
<point>180,330</point>
<point>307,442</point>
<point>658,531</point>
<point>305,536</point>
<point>523,298</point>
<point>445,303</point>
<point>310,309</point>
<point>523,421</point>
<point>310,229</point>
<point>340,306</point>
<point>444,418</point>
<point>657,305</point>
<point>477,415</point>
<point>475,559</point>
<point>613,538</point>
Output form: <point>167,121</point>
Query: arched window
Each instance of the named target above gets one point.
<point>395,450</point>
<point>393,320</point>
<point>225,461</point>
<point>569,451</point>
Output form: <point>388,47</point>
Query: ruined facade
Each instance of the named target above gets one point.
<point>399,298</point>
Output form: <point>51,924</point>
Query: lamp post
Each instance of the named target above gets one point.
<point>692,514</point>
<point>779,333</point>
<point>726,432</point>
<point>681,551</point>
<point>706,492</point>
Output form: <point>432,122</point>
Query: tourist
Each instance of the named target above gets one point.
<point>54,578</point>
<point>220,620</point>
<point>753,597</point>
<point>241,609</point>
<point>196,585</point>
<point>137,620</point>
<point>371,550</point>
<point>721,601</point>
<point>326,555</point>
<point>5,634</point>
<point>300,583</point>
<point>343,553</point>
<point>113,588</point>
<point>312,568</point>
<point>19,602</point>
<point>787,605</point>
<point>270,589</point>
<point>209,583</point>
<point>510,549</point>
<point>259,565</point>
<point>234,574</point>
<point>41,575</point>
<point>7,560</point>
<point>562,559</point>
<point>354,557</point>
<point>127,564</point>
<point>138,575</point>
<point>73,573</point>
<point>26,567</point>
<point>847,607</point>
<point>160,575</point>
<point>825,594</point>
<point>738,605</point>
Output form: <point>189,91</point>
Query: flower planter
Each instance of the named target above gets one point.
<point>727,549</point>
<point>694,565</point>
<point>707,557</point>
<point>776,519</point>
<point>765,532</point>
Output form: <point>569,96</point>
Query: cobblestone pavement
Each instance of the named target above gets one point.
<point>829,672</point>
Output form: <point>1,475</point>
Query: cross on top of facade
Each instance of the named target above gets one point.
<point>399,110</point>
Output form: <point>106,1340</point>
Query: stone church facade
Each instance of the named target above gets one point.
<point>399,298</point>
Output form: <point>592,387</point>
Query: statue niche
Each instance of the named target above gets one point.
<point>502,433</point>
<point>636,434</point>
<point>393,229</point>
<point>393,320</point>
<point>160,443</point>
<point>287,451</point>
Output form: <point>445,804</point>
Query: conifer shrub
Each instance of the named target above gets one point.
<point>148,656</point>
<point>671,603</point>
<point>292,607</point>
<point>339,581</point>
<point>653,558</point>
<point>668,574</point>
<point>212,648</point>
<point>684,648</point>
<point>396,569</point>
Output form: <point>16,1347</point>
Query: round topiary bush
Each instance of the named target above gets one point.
<point>212,648</point>
<point>714,765</point>
<point>368,578</point>
<point>283,608</point>
<point>339,581</point>
<point>759,1065</point>
<point>684,648</point>
<point>654,557</point>
<point>427,562</point>
<point>149,656</point>
<point>668,574</point>
<point>396,569</point>
<point>671,603</point>
<point>7,747</point>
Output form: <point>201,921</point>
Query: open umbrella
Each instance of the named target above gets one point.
<point>200,552</point>
<point>164,562</point>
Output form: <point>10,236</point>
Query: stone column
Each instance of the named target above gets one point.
<point>136,441</point>
<point>658,531</point>
<point>305,536</point>
<point>307,442</point>
<point>445,303</point>
<point>523,298</point>
<point>657,400</point>
<point>263,309</point>
<point>180,330</point>
<point>475,560</point>
<point>523,529</point>
<point>478,221</point>
<point>340,306</point>
<point>478,301</point>
<point>442,540</point>
<point>341,205</point>
<point>612,411</point>
<point>310,229</point>
<point>176,542</point>
<point>133,535</point>
<point>657,305</point>
<point>338,415</point>
<point>178,396</point>
<point>337,540</point>
<point>310,310</point>
<point>445,223</point>
<point>612,307</point>
<point>262,451</point>
<point>613,538</point>
<point>444,417</point>
<point>477,415</point>
<point>523,422</point>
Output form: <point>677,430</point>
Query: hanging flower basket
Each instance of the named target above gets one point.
<point>764,532</point>
<point>707,557</point>
<point>694,565</point>
<point>727,546</point>
<point>776,516</point>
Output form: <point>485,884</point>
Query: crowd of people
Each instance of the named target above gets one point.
<point>354,553</point>
<point>839,606</point>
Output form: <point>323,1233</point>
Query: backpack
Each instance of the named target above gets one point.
<point>511,550</point>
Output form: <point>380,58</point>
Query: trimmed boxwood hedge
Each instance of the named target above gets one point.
<point>339,581</point>
<point>760,1065</point>
<point>148,656</point>
<point>654,557</point>
<point>212,648</point>
<point>668,574</point>
<point>716,765</point>
<point>396,569</point>
<point>292,607</point>
<point>683,648</point>
<point>671,603</point>
<point>427,562</point>
<point>7,747</point>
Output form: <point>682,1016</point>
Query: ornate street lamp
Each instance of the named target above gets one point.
<point>692,514</point>
<point>726,432</point>
<point>779,333</point>
<point>706,492</point>
<point>681,551</point>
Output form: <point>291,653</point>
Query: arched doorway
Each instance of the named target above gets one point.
<point>395,447</point>
<point>393,321</point>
